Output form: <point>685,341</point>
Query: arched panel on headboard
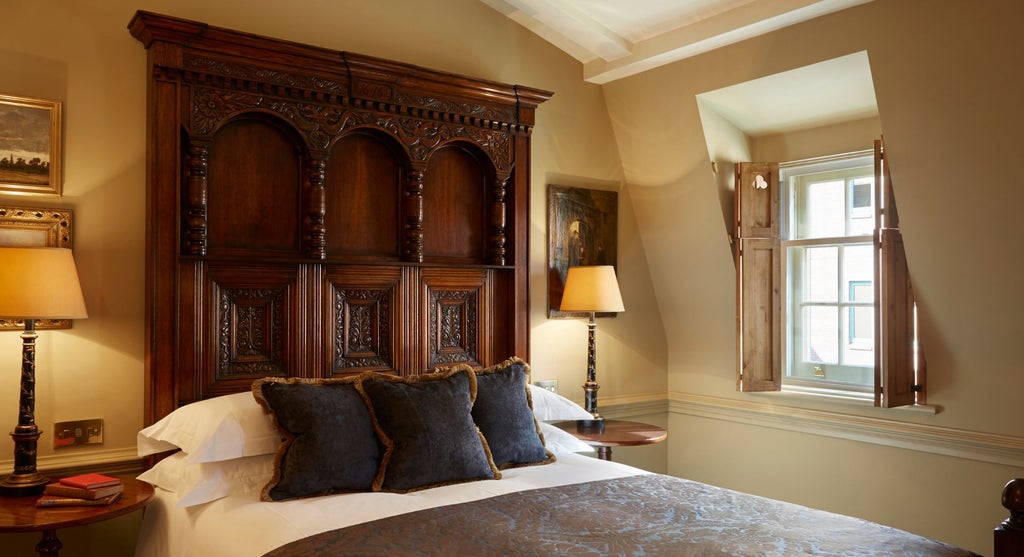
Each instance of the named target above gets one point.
<point>313,213</point>
<point>365,174</point>
<point>455,187</point>
<point>254,187</point>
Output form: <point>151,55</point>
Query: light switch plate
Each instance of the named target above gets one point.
<point>78,432</point>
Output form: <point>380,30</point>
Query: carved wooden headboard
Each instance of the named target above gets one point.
<point>312,213</point>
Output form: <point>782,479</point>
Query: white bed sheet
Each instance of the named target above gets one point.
<point>243,526</point>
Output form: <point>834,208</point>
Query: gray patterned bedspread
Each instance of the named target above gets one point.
<point>635,516</point>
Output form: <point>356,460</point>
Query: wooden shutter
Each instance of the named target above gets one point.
<point>758,278</point>
<point>895,375</point>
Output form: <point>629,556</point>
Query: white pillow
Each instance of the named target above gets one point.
<point>557,440</point>
<point>549,406</point>
<point>196,484</point>
<point>221,428</point>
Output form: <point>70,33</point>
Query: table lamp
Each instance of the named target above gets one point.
<point>35,283</point>
<point>591,289</point>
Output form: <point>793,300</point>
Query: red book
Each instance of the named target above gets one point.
<point>90,481</point>
<point>77,492</point>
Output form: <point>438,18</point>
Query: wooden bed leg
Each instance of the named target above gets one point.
<point>1009,536</point>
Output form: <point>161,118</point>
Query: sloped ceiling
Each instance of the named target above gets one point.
<point>618,38</point>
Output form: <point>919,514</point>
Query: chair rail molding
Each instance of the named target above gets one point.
<point>974,445</point>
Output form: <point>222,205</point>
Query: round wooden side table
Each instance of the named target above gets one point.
<point>20,514</point>
<point>614,433</point>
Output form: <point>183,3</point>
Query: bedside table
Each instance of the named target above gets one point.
<point>615,433</point>
<point>20,514</point>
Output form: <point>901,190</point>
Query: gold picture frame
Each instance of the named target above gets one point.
<point>30,146</point>
<point>29,227</point>
<point>582,230</point>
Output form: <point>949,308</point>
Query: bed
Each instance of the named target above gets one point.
<point>571,504</point>
<point>348,227</point>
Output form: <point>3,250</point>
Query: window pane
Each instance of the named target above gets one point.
<point>858,273</point>
<point>859,340</point>
<point>822,274</point>
<point>862,215</point>
<point>822,335</point>
<point>826,209</point>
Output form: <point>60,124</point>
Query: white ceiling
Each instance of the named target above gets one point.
<point>618,38</point>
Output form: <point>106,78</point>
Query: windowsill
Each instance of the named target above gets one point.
<point>845,398</point>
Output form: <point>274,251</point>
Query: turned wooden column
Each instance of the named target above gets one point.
<point>315,208</point>
<point>196,186</point>
<point>412,247</point>
<point>498,239</point>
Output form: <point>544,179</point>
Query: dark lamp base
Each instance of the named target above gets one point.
<point>590,426</point>
<point>23,485</point>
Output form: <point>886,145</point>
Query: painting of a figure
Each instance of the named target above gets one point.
<point>582,230</point>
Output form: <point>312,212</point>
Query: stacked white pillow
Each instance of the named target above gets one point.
<point>226,445</point>
<point>212,430</point>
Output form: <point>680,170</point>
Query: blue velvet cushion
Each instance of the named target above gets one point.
<point>330,444</point>
<point>427,428</point>
<point>504,414</point>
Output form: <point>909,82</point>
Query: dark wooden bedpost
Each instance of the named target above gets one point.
<point>1009,536</point>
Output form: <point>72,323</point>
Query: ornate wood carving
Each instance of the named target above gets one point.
<point>286,213</point>
<point>453,327</point>
<point>455,311</point>
<point>250,332</point>
<point>321,124</point>
<point>363,329</point>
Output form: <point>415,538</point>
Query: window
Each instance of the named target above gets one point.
<point>819,252</point>
<point>828,301</point>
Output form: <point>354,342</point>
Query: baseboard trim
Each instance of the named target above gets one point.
<point>974,445</point>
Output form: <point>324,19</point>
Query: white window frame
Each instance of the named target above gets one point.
<point>788,171</point>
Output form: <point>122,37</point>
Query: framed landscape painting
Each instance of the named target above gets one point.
<point>30,141</point>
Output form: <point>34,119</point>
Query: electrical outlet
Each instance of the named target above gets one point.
<point>79,432</point>
<point>549,385</point>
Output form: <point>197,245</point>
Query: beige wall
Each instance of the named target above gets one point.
<point>947,91</point>
<point>949,106</point>
<point>81,52</point>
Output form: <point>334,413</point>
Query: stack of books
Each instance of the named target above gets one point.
<point>84,489</point>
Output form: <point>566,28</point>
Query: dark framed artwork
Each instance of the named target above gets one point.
<point>582,230</point>
<point>30,146</point>
<point>25,227</point>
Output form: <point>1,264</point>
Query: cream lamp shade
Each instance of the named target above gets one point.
<point>39,283</point>
<point>591,288</point>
